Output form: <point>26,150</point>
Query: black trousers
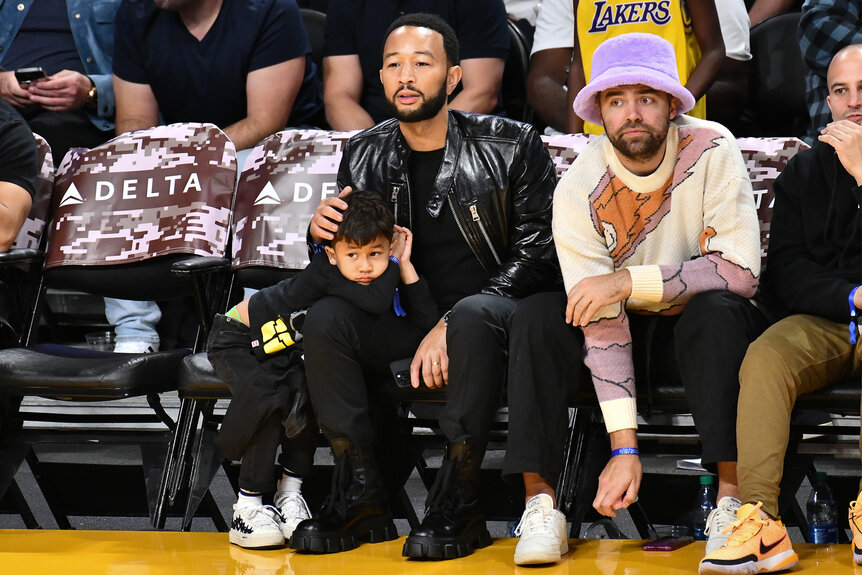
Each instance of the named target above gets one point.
<point>347,356</point>
<point>702,349</point>
<point>255,413</point>
<point>64,130</point>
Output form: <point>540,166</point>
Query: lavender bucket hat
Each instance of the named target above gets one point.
<point>634,58</point>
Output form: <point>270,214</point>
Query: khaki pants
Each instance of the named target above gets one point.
<point>797,355</point>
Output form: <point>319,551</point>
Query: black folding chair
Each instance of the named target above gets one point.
<point>131,219</point>
<point>276,197</point>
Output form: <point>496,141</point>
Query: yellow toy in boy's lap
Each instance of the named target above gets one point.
<point>275,336</point>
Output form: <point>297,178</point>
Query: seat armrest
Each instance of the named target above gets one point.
<point>21,255</point>
<point>200,266</point>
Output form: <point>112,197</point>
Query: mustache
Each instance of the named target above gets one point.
<point>636,124</point>
<point>409,87</point>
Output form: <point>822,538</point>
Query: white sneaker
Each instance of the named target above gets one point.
<point>135,347</point>
<point>293,509</point>
<point>542,532</point>
<point>718,521</point>
<point>256,526</point>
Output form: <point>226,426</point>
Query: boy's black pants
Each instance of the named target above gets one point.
<point>261,394</point>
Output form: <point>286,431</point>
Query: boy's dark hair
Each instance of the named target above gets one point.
<point>366,218</point>
<point>432,22</point>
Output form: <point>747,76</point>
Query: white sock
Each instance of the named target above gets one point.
<point>289,484</point>
<point>249,499</point>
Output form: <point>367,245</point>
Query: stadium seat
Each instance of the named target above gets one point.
<point>514,85</point>
<point>776,100</point>
<point>132,219</point>
<point>285,177</point>
<point>315,23</point>
<point>19,276</point>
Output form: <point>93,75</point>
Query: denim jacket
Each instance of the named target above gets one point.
<point>92,24</point>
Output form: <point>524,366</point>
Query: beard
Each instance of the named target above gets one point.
<point>643,148</point>
<point>427,110</point>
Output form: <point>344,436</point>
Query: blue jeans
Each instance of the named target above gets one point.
<point>133,320</point>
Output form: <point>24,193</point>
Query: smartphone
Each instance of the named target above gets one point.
<point>28,75</point>
<point>401,371</point>
<point>668,543</point>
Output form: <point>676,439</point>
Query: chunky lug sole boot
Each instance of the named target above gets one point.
<point>355,510</point>
<point>453,526</point>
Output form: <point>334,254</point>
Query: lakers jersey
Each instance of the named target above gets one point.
<point>599,20</point>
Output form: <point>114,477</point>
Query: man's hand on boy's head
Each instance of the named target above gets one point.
<point>327,216</point>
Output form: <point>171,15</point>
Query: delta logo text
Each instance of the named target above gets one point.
<point>134,189</point>
<point>303,192</point>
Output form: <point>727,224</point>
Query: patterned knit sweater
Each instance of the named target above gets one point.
<point>689,227</point>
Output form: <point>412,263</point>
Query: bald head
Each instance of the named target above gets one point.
<point>847,54</point>
<point>844,82</point>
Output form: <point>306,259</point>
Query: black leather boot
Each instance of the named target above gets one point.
<point>355,510</point>
<point>453,526</point>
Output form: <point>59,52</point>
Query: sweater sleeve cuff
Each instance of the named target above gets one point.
<point>418,285</point>
<point>620,414</point>
<point>647,284</point>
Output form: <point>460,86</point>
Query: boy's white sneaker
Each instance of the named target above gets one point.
<point>255,526</point>
<point>542,532</point>
<point>293,509</point>
<point>719,520</point>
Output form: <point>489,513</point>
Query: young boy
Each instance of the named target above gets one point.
<point>252,348</point>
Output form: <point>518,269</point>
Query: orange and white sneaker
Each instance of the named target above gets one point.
<point>856,528</point>
<point>755,545</point>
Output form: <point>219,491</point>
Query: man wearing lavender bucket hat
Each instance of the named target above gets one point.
<point>659,244</point>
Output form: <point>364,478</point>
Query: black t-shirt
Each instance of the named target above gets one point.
<point>440,252</point>
<point>358,27</point>
<point>45,39</point>
<point>19,160</point>
<point>205,81</point>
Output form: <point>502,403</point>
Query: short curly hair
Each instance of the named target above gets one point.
<point>435,23</point>
<point>366,218</point>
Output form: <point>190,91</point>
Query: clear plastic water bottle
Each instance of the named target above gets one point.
<point>704,504</point>
<point>822,518</point>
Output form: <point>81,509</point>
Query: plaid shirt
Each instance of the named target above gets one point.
<point>825,27</point>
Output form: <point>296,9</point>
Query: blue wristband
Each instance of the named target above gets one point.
<point>850,299</point>
<point>394,259</point>
<point>625,451</point>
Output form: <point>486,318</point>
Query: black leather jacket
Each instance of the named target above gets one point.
<point>499,181</point>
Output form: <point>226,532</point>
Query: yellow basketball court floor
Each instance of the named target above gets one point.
<point>49,552</point>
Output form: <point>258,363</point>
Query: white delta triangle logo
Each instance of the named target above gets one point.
<point>72,196</point>
<point>267,195</point>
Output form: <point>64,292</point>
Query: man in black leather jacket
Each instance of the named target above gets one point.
<point>476,191</point>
